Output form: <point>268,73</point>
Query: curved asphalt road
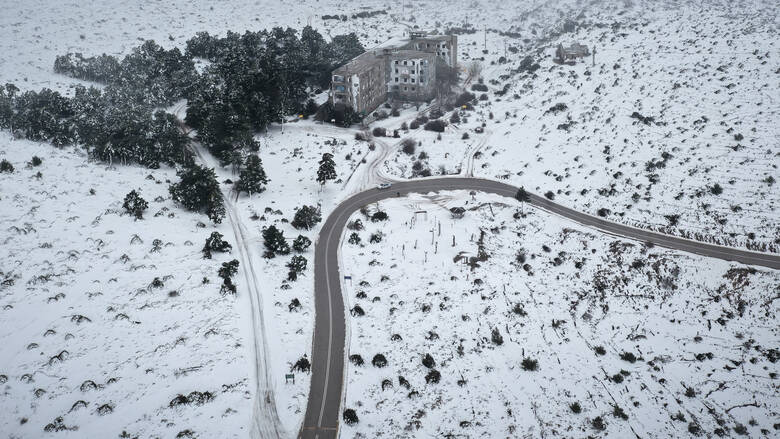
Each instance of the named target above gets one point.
<point>323,411</point>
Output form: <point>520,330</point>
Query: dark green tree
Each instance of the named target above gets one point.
<point>301,243</point>
<point>215,243</point>
<point>327,169</point>
<point>306,217</point>
<point>252,178</point>
<point>296,266</point>
<point>198,190</point>
<point>274,242</point>
<point>135,205</point>
<point>226,272</point>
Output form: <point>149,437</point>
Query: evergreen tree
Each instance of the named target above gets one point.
<point>252,178</point>
<point>274,242</point>
<point>198,190</point>
<point>327,170</point>
<point>301,243</point>
<point>226,272</point>
<point>215,243</point>
<point>522,196</point>
<point>306,217</point>
<point>296,265</point>
<point>135,205</point>
<point>6,166</point>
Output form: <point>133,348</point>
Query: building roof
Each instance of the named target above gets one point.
<point>359,63</point>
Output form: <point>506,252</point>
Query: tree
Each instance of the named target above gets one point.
<point>327,170</point>
<point>301,243</point>
<point>354,238</point>
<point>522,196</point>
<point>252,177</point>
<point>306,217</point>
<point>475,70</point>
<point>215,243</point>
<point>226,272</point>
<point>274,242</point>
<point>198,190</point>
<point>296,265</point>
<point>350,417</point>
<point>379,216</point>
<point>6,166</point>
<point>135,205</point>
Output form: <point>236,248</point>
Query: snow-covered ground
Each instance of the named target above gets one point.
<point>201,341</point>
<point>105,319</point>
<point>689,322</point>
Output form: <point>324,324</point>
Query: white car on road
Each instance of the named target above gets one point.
<point>383,186</point>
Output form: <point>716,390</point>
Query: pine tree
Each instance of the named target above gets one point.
<point>327,170</point>
<point>215,243</point>
<point>522,196</point>
<point>252,178</point>
<point>273,240</point>
<point>198,190</point>
<point>306,217</point>
<point>135,205</point>
<point>301,243</point>
<point>296,265</point>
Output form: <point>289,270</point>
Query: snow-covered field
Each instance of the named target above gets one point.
<point>705,167</point>
<point>701,334</point>
<point>63,249</point>
<point>106,319</point>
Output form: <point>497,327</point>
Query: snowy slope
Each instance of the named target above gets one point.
<point>690,323</point>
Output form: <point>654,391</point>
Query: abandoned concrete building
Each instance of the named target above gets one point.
<point>576,50</point>
<point>403,69</point>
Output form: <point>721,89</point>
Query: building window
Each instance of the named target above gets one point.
<point>421,81</point>
<point>406,79</point>
<point>396,79</point>
<point>396,61</point>
<point>404,62</point>
<point>413,89</point>
<point>405,89</point>
<point>412,80</point>
<point>396,71</point>
<point>422,72</point>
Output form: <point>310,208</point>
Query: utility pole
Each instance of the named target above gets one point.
<point>594,56</point>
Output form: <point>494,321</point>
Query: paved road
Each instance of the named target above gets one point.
<point>323,411</point>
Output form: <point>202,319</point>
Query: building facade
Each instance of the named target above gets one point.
<point>404,70</point>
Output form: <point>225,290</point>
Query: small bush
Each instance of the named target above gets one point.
<point>6,166</point>
<point>600,350</point>
<point>628,356</point>
<point>716,189</point>
<point>575,407</point>
<point>598,423</point>
<point>36,161</point>
<point>479,87</point>
<point>428,361</point>
<point>356,359</point>
<point>379,132</point>
<point>379,216</point>
<point>433,376</point>
<point>498,339</point>
<point>379,360</point>
<point>549,195</point>
<point>302,365</point>
<point>409,146</point>
<point>530,364</point>
<point>350,417</point>
<point>436,125</point>
<point>135,205</point>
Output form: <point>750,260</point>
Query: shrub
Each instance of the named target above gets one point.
<point>428,361</point>
<point>618,412</point>
<point>302,365</point>
<point>479,87</point>
<point>306,217</point>
<point>498,339</point>
<point>603,212</point>
<point>296,266</point>
<point>36,161</point>
<point>549,195</point>
<point>215,243</point>
<point>356,359</point>
<point>379,360</point>
<point>628,356</point>
<point>436,125</point>
<point>350,417</point>
<point>598,423</point>
<point>6,166</point>
<point>301,243</point>
<point>434,376</point>
<point>354,238</point>
<point>529,364</point>
<point>414,125</point>
<point>135,205</point>
<point>455,118</point>
<point>600,350</point>
<point>575,407</point>
<point>716,189</point>
<point>465,136</point>
<point>379,216</point>
<point>408,146</point>
<point>274,242</point>
<point>379,132</point>
<point>464,98</point>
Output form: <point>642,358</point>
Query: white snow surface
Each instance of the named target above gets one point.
<point>576,289</point>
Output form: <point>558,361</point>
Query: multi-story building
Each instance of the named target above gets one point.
<point>402,69</point>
